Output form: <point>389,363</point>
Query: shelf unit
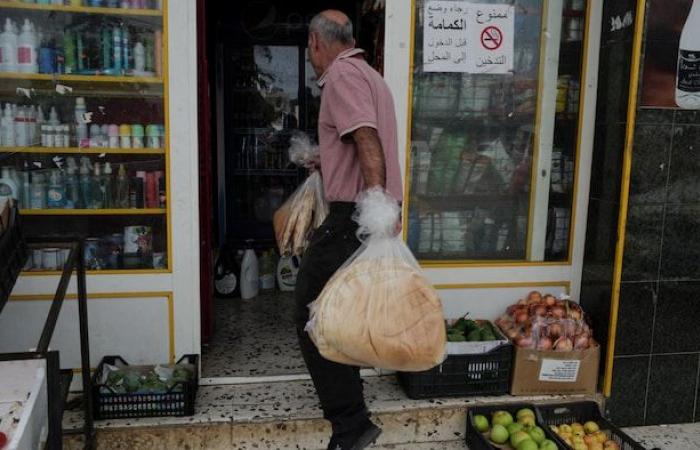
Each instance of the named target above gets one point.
<point>94,212</point>
<point>84,151</point>
<point>79,78</point>
<point>82,9</point>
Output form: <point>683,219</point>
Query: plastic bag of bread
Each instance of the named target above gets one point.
<point>306,208</point>
<point>378,310</point>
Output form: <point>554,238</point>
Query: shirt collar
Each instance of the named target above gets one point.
<point>349,53</point>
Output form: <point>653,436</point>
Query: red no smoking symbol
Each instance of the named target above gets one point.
<point>491,38</point>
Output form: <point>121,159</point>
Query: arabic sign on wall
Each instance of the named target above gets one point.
<point>468,37</point>
<point>671,76</point>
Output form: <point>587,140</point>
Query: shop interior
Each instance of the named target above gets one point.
<point>262,90</point>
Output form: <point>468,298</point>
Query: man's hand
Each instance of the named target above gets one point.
<point>371,156</point>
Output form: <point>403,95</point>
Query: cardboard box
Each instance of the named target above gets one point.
<point>549,372</point>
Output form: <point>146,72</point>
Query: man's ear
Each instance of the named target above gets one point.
<point>313,40</point>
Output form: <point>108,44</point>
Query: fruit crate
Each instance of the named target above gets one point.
<point>582,412</point>
<point>463,375</point>
<point>13,254</point>
<point>479,441</point>
<point>177,401</point>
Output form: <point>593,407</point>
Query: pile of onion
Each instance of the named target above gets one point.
<point>544,322</point>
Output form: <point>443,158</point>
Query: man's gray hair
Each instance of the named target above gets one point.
<point>331,31</point>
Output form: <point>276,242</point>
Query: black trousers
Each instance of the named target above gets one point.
<point>339,387</point>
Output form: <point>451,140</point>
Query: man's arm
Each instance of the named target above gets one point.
<point>371,156</point>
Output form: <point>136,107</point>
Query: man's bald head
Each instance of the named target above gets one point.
<point>333,27</point>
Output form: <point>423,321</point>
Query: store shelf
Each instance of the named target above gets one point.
<point>82,9</point>
<point>93,212</point>
<point>87,151</point>
<point>49,273</point>
<point>79,78</point>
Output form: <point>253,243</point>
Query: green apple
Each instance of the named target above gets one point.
<point>537,435</point>
<point>499,434</point>
<point>514,427</point>
<point>502,418</point>
<point>548,445</point>
<point>481,423</point>
<point>528,422</point>
<point>517,437</point>
<point>527,444</point>
<point>524,412</point>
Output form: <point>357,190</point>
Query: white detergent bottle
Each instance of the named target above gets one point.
<point>26,49</point>
<point>8,127</point>
<point>249,274</point>
<point>8,48</point>
<point>287,270</point>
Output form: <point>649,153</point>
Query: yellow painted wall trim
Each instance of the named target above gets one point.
<point>564,284</point>
<point>624,193</point>
<point>486,263</point>
<point>168,171</point>
<point>409,122</point>
<point>117,296</point>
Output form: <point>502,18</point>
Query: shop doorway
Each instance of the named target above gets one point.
<point>257,89</point>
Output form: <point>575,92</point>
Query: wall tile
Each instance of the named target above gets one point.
<point>677,310</point>
<point>635,319</point>
<point>650,158</point>
<point>690,117</point>
<point>626,405</point>
<point>672,388</point>
<point>681,242</point>
<point>643,235</point>
<point>655,116</point>
<point>684,183</point>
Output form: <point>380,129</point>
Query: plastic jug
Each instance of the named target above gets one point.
<point>249,275</point>
<point>287,270</point>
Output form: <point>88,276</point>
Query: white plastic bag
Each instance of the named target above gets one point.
<point>306,208</point>
<point>378,310</point>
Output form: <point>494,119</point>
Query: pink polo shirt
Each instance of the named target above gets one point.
<point>354,95</point>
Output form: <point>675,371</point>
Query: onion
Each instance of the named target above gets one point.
<point>554,330</point>
<point>524,341</point>
<point>549,300</point>
<point>512,334</point>
<point>521,318</point>
<point>581,342</point>
<point>534,295</point>
<point>575,314</point>
<point>540,310</point>
<point>563,344</point>
<point>545,343</point>
<point>522,302</point>
<point>558,312</point>
<point>510,310</point>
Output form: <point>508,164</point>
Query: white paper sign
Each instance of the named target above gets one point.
<point>468,37</point>
<point>559,370</point>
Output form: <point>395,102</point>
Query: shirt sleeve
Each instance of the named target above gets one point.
<point>350,102</point>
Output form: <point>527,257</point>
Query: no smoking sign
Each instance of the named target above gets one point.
<point>491,38</point>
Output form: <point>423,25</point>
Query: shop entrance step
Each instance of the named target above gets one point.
<point>286,415</point>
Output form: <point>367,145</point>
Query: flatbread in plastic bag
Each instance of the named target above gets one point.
<point>378,309</point>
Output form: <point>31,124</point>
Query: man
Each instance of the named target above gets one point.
<point>357,137</point>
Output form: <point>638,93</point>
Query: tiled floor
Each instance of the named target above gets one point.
<point>253,338</point>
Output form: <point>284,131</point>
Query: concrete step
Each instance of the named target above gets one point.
<point>286,416</point>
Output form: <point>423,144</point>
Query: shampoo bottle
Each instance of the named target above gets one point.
<point>249,274</point>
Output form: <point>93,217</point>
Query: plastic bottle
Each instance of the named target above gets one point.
<point>81,128</point>
<point>38,191</point>
<point>96,192</point>
<point>31,125</point>
<point>137,136</point>
<point>688,69</point>
<point>149,54</point>
<point>69,56</point>
<point>8,186</point>
<point>287,269</point>
<point>117,49</point>
<point>56,193</point>
<point>21,128</point>
<point>80,54</point>
<point>8,127</point>
<point>139,58</point>
<point>40,121</point>
<point>249,274</point>
<point>53,116</point>
<point>107,50</point>
<point>267,271</point>
<point>26,190</point>
<point>126,57</point>
<point>95,135</point>
<point>113,133</point>
<point>8,48</point>
<point>121,192</point>
<point>85,197</point>
<point>26,49</point>
<point>125,136</point>
<point>72,184</point>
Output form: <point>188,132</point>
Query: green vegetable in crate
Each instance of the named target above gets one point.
<point>487,334</point>
<point>474,336</point>
<point>181,374</point>
<point>132,381</point>
<point>470,325</point>
<point>460,325</point>
<point>455,336</point>
<point>115,379</point>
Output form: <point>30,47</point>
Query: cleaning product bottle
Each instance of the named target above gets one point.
<point>287,269</point>
<point>113,133</point>
<point>53,117</point>
<point>117,50</point>
<point>20,128</point>
<point>8,127</point>
<point>107,199</point>
<point>72,184</point>
<point>121,192</point>
<point>26,190</point>
<point>80,55</point>
<point>249,273</point>
<point>81,128</point>
<point>26,49</point>
<point>96,192</point>
<point>69,56</point>
<point>95,135</point>
<point>107,51</point>
<point>8,48</point>
<point>267,271</point>
<point>38,191</point>
<point>56,193</point>
<point>139,58</point>
<point>8,186</point>
<point>31,126</point>
<point>126,57</point>
<point>85,197</point>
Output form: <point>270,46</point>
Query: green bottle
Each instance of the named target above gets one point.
<point>69,52</point>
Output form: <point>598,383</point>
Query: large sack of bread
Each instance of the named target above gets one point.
<point>306,208</point>
<point>378,310</point>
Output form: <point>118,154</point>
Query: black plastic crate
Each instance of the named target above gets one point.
<point>174,402</point>
<point>13,255</point>
<point>463,375</point>
<point>477,441</point>
<point>582,412</point>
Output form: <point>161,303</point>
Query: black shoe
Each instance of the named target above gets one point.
<point>358,439</point>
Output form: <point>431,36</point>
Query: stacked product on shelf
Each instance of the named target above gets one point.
<point>555,352</point>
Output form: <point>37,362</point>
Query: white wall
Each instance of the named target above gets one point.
<point>129,314</point>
